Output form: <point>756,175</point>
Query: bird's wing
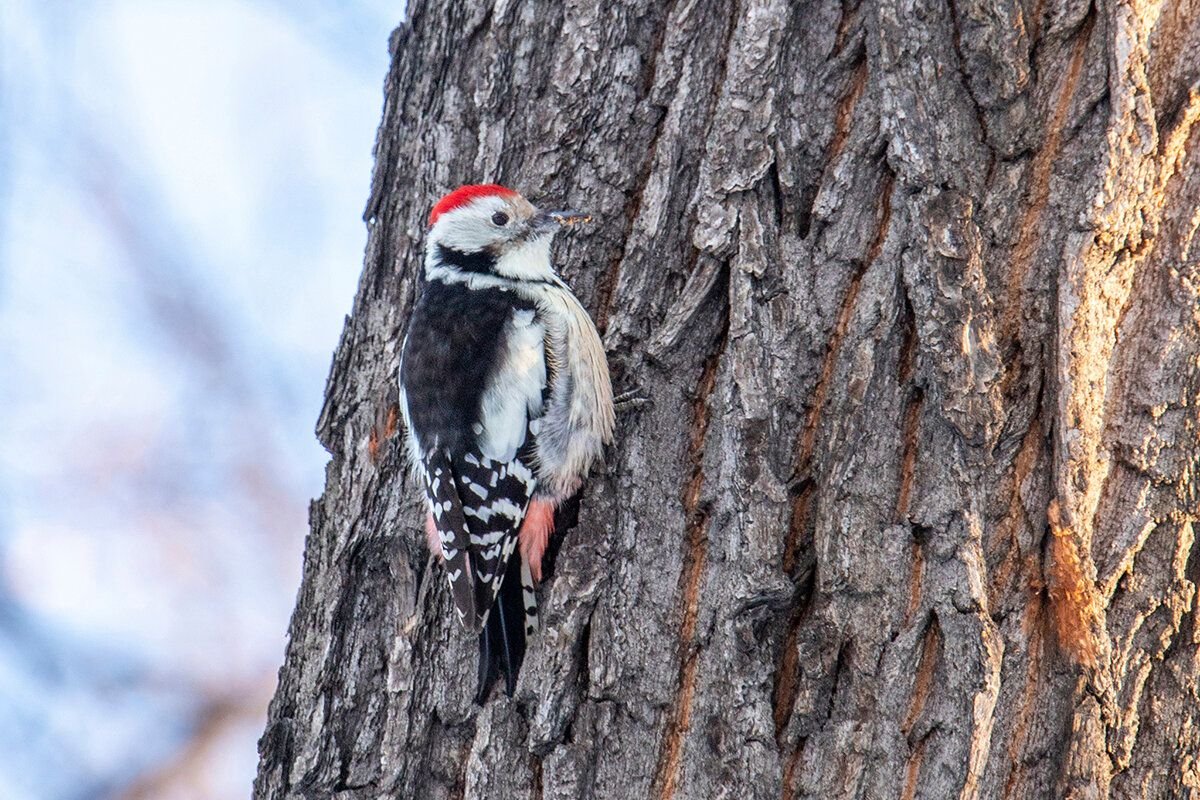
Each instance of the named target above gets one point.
<point>494,497</point>
<point>478,504</point>
<point>454,535</point>
<point>478,514</point>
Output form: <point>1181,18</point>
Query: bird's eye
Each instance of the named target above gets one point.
<point>499,218</point>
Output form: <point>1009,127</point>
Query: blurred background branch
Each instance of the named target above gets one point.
<point>181,187</point>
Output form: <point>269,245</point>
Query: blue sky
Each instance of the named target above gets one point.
<point>181,189</point>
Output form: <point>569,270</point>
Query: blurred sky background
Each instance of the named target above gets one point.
<point>181,188</point>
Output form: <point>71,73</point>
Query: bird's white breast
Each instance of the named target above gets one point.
<point>514,391</point>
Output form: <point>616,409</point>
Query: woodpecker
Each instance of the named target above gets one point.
<point>507,401</point>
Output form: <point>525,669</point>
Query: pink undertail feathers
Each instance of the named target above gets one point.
<point>432,536</point>
<point>535,535</point>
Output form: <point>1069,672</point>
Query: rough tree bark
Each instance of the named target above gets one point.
<point>914,287</point>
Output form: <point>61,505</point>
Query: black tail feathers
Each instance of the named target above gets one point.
<point>502,640</point>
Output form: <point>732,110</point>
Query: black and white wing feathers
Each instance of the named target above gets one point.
<point>454,534</point>
<point>473,383</point>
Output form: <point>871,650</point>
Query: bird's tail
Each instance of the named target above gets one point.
<point>502,641</point>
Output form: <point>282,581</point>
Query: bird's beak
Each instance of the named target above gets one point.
<point>553,220</point>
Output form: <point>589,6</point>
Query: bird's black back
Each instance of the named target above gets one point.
<point>454,337</point>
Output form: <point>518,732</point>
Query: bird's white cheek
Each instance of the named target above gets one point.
<point>528,261</point>
<point>465,237</point>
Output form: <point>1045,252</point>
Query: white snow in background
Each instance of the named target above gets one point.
<point>181,188</point>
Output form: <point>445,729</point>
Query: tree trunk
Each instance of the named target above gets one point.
<point>914,286</point>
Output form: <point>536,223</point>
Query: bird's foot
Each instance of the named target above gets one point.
<point>631,399</point>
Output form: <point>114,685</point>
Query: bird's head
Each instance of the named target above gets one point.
<point>489,229</point>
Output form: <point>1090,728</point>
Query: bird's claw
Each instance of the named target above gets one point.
<point>631,399</point>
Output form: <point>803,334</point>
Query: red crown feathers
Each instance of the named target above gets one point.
<point>465,194</point>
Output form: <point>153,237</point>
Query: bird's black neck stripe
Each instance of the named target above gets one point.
<point>482,261</point>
